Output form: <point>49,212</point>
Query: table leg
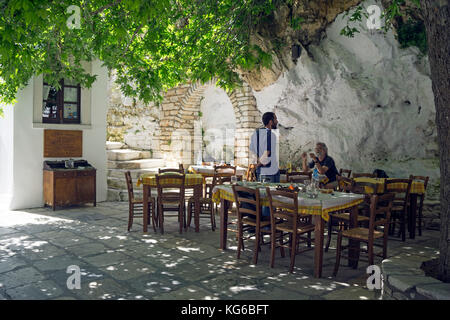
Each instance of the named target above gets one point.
<point>318,246</point>
<point>224,204</point>
<point>353,245</point>
<point>197,196</point>
<point>413,213</point>
<point>146,190</point>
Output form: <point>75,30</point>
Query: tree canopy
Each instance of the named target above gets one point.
<point>153,45</point>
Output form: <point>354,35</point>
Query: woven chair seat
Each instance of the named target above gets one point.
<point>361,234</point>
<point>252,222</point>
<point>288,227</point>
<point>346,216</point>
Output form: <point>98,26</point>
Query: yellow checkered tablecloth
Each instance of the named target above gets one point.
<point>417,187</point>
<point>190,179</point>
<point>323,205</point>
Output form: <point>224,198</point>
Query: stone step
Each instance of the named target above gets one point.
<point>135,173</point>
<point>136,164</point>
<point>127,154</point>
<point>111,145</point>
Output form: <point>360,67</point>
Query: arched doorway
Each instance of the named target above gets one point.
<point>181,122</point>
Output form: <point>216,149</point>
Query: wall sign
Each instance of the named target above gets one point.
<point>63,143</point>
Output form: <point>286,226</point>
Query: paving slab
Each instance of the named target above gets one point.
<point>10,263</point>
<point>128,270</point>
<point>41,290</point>
<point>106,259</point>
<point>20,277</point>
<point>189,293</point>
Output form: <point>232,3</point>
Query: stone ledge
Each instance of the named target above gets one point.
<point>404,280</point>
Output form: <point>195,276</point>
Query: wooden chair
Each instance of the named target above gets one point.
<point>345,171</point>
<point>207,205</point>
<point>171,197</point>
<point>299,176</point>
<point>135,205</point>
<point>342,218</point>
<point>248,210</point>
<point>421,197</point>
<point>379,206</point>
<point>285,220</point>
<point>400,205</point>
<point>368,175</point>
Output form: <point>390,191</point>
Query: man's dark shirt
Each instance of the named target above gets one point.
<point>329,163</point>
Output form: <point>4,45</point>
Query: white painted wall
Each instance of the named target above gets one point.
<point>6,156</point>
<point>219,122</point>
<point>28,144</point>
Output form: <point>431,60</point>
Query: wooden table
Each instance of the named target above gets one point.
<point>192,181</point>
<point>319,207</point>
<point>417,187</point>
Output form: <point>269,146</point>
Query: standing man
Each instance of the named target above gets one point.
<point>324,164</point>
<point>263,147</point>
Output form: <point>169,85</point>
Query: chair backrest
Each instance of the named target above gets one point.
<point>380,205</point>
<point>179,170</point>
<point>129,185</point>
<point>283,206</point>
<point>363,174</point>
<point>345,184</point>
<point>345,171</point>
<point>247,202</point>
<point>223,173</point>
<point>299,173</point>
<point>401,188</point>
<point>170,186</point>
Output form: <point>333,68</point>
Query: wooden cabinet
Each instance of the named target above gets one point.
<point>65,187</point>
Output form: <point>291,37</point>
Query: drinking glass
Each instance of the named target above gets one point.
<point>234,180</point>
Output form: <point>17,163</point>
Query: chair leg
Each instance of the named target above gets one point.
<point>189,214</point>
<point>370,252</point>
<point>420,222</point>
<point>338,254</point>
<point>385,244</point>
<point>161,219</point>
<point>257,244</point>
<point>239,240</point>
<point>330,229</point>
<point>294,245</point>
<point>153,214</point>
<point>403,227</point>
<point>130,216</point>
<point>272,247</point>
<point>213,219</point>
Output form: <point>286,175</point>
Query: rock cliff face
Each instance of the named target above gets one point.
<point>302,22</point>
<point>368,100</point>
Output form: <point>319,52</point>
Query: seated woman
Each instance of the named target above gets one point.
<point>324,164</point>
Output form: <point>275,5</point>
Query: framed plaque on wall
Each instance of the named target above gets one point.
<point>63,143</point>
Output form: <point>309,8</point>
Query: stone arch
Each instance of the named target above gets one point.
<point>180,109</point>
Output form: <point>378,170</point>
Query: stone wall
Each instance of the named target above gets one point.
<point>172,130</point>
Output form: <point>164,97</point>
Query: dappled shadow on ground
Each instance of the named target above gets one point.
<point>37,246</point>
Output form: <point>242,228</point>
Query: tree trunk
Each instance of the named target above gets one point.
<point>436,14</point>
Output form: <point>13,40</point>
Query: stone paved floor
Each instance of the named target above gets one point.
<point>37,246</point>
